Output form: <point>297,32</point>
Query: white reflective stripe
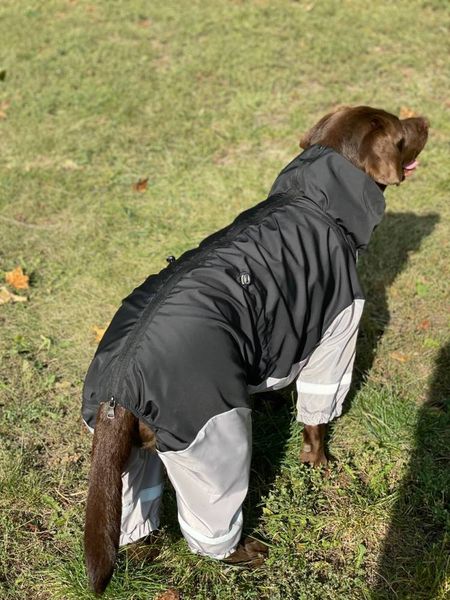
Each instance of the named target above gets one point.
<point>324,389</point>
<point>151,493</point>
<point>200,537</point>
<point>146,495</point>
<point>278,383</point>
<point>347,378</point>
<point>90,428</point>
<point>271,381</point>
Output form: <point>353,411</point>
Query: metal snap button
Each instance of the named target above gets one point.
<point>245,279</point>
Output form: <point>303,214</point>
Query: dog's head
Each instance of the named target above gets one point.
<point>379,143</point>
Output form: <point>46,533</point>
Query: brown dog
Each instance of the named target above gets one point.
<point>376,143</point>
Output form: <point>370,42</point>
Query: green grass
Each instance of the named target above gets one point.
<point>208,99</point>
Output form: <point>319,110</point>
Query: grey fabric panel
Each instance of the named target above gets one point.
<point>142,482</point>
<point>325,380</point>
<point>210,478</point>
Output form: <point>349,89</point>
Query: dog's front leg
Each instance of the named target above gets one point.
<point>313,451</point>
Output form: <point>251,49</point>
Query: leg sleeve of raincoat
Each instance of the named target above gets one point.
<point>325,379</point>
<point>210,478</point>
<point>142,482</point>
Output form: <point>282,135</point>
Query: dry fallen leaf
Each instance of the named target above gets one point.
<point>169,594</point>
<point>99,333</point>
<point>62,385</point>
<point>17,279</point>
<point>70,165</point>
<point>144,22</point>
<point>407,113</point>
<point>399,357</point>
<point>67,459</point>
<point>425,325</point>
<point>7,296</point>
<point>141,185</point>
<point>3,108</point>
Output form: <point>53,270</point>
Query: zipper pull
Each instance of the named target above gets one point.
<point>111,408</point>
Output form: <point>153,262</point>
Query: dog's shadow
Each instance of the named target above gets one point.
<point>393,241</point>
<point>396,238</point>
<point>414,562</point>
<point>416,538</point>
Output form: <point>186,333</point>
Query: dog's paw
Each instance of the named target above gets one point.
<point>250,553</point>
<point>146,549</point>
<point>314,459</point>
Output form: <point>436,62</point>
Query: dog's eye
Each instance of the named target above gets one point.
<point>401,144</point>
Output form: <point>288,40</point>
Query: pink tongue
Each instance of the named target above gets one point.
<point>411,165</point>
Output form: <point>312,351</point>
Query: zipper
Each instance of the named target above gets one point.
<point>111,408</point>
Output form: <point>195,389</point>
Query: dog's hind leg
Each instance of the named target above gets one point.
<point>141,498</point>
<point>211,478</point>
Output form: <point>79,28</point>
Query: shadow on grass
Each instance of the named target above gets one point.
<point>272,418</point>
<point>398,235</point>
<point>415,554</point>
<point>415,559</point>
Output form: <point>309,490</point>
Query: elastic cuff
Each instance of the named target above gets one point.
<point>316,418</point>
<point>218,547</point>
<point>211,555</point>
<point>140,531</point>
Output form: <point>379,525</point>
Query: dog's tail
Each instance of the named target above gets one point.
<point>114,433</point>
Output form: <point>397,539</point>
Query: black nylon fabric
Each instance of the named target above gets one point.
<point>252,300</point>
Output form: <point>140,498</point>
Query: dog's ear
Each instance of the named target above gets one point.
<point>318,133</point>
<point>415,133</point>
<point>381,156</point>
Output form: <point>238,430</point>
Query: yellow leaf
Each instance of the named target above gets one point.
<point>407,113</point>
<point>7,296</point>
<point>399,356</point>
<point>170,594</point>
<point>99,332</point>
<point>3,108</point>
<point>17,279</point>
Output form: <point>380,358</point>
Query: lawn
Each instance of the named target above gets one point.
<point>206,100</point>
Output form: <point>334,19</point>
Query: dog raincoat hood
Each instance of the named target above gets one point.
<point>349,196</point>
